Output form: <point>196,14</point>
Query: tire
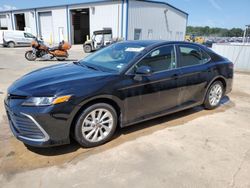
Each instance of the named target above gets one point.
<point>89,132</point>
<point>60,59</point>
<point>87,48</point>
<point>214,95</point>
<point>11,45</point>
<point>30,56</point>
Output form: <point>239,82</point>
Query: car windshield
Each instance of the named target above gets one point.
<point>113,58</point>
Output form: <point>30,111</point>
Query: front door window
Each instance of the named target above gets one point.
<point>160,59</point>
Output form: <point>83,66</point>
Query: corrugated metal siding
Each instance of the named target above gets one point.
<point>46,26</point>
<point>9,23</point>
<point>238,54</point>
<point>59,17</point>
<point>59,20</point>
<point>8,20</point>
<point>154,22</point>
<point>106,16</point>
<point>30,22</point>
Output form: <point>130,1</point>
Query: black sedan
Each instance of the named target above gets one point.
<point>120,85</point>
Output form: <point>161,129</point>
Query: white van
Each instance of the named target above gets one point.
<point>12,38</point>
<point>1,37</point>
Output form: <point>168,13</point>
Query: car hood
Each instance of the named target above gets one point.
<point>55,79</point>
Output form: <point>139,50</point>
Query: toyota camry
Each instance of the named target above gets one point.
<point>120,85</point>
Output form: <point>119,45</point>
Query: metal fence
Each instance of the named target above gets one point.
<point>239,54</point>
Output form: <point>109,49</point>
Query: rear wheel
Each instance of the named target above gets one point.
<point>96,125</point>
<point>214,95</point>
<point>11,45</point>
<point>30,56</point>
<point>60,59</point>
<point>87,48</point>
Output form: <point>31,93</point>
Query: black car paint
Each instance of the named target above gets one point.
<point>135,101</point>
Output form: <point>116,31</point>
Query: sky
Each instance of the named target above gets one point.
<point>213,13</point>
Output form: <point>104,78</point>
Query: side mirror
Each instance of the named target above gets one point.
<point>144,71</point>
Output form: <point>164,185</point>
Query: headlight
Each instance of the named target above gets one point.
<point>45,101</point>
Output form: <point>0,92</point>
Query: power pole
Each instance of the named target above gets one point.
<point>245,36</point>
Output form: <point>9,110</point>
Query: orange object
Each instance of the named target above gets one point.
<point>66,46</point>
<point>59,53</point>
<point>34,43</point>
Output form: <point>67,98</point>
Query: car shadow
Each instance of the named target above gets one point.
<point>56,60</point>
<point>56,150</point>
<point>164,119</point>
<point>74,146</point>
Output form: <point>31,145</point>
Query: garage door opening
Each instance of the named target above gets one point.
<point>46,26</point>
<point>3,22</point>
<point>80,25</point>
<point>20,22</point>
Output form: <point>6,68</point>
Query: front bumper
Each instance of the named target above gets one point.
<point>39,126</point>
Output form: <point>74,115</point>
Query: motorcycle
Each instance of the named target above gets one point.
<point>40,50</point>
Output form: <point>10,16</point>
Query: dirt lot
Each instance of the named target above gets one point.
<point>193,148</point>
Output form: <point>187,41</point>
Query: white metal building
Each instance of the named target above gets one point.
<point>128,19</point>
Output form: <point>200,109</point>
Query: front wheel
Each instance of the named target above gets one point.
<point>30,56</point>
<point>87,48</point>
<point>96,125</point>
<point>214,95</point>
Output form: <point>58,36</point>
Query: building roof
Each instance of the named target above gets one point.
<point>88,2</point>
<point>56,6</point>
<point>164,3</point>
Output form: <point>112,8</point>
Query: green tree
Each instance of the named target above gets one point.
<point>216,32</point>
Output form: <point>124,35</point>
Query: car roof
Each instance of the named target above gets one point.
<point>155,43</point>
<point>144,43</point>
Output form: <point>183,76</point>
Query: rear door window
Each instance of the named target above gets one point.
<point>192,55</point>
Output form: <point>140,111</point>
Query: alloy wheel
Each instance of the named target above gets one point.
<point>97,125</point>
<point>215,94</point>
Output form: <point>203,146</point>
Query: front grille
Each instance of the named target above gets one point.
<point>24,126</point>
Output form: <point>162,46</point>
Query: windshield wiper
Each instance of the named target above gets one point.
<point>89,66</point>
<point>76,62</point>
<point>84,64</point>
